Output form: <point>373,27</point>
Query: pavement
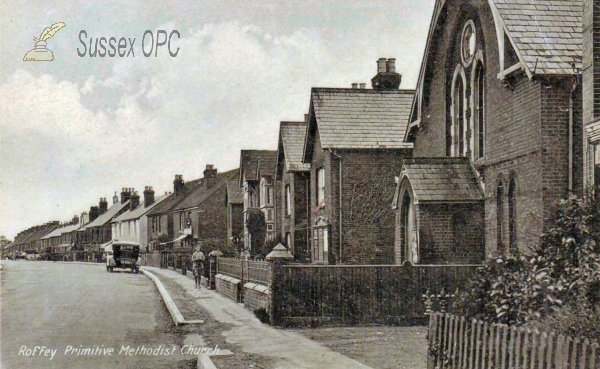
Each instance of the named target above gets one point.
<point>278,348</point>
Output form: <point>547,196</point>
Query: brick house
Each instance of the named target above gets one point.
<point>354,145</point>
<point>98,232</point>
<point>160,218</point>
<point>500,100</point>
<point>202,215</point>
<point>131,227</point>
<point>234,201</point>
<point>294,176</point>
<point>261,192</point>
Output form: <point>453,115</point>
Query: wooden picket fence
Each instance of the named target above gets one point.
<point>455,342</point>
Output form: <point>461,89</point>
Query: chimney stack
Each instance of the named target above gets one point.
<point>125,195</point>
<point>134,200</point>
<point>354,86</point>
<point>363,86</point>
<point>148,196</point>
<point>103,206</point>
<point>305,118</point>
<point>94,213</point>
<point>75,220</point>
<point>178,185</point>
<point>210,175</point>
<point>386,78</point>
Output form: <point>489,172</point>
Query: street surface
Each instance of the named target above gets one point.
<point>69,307</point>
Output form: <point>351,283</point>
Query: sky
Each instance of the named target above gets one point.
<point>79,128</point>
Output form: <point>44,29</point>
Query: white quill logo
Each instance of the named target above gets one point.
<point>40,52</point>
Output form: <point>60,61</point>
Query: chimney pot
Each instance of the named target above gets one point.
<point>391,65</point>
<point>305,118</point>
<point>381,65</point>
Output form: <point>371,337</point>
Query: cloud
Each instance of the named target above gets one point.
<point>64,144</point>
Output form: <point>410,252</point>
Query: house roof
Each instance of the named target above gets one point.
<point>201,193</point>
<point>252,162</point>
<point>349,118</point>
<point>108,215</point>
<point>59,231</point>
<point>235,194</point>
<point>167,204</point>
<point>547,34</point>
<point>139,211</point>
<point>35,234</point>
<point>440,180</point>
<point>291,144</point>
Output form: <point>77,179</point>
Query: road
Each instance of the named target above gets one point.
<point>66,307</point>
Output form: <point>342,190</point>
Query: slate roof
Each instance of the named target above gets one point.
<point>441,180</point>
<point>199,194</point>
<point>235,194</point>
<point>62,230</point>
<point>140,210</point>
<point>172,200</point>
<point>34,234</point>
<point>106,217</point>
<point>292,136</point>
<point>546,33</point>
<point>361,118</point>
<point>251,161</point>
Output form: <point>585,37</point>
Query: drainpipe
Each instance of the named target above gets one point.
<point>571,103</point>
<point>340,199</point>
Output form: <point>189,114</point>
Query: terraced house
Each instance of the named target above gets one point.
<point>202,215</point>
<point>131,227</point>
<point>497,126</point>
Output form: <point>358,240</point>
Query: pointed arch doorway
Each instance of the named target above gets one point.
<point>409,248</point>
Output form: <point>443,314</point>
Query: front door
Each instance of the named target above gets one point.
<point>409,233</point>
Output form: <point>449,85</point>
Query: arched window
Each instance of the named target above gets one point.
<point>408,232</point>
<point>479,113</point>
<point>512,213</point>
<point>458,123</point>
<point>500,214</point>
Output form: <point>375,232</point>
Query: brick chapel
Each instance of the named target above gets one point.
<point>502,125</point>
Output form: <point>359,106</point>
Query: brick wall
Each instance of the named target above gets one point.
<point>297,221</point>
<point>236,224</point>
<point>256,296</point>
<point>526,128</point>
<point>212,218</point>
<point>367,191</point>
<point>228,286</point>
<point>437,236</point>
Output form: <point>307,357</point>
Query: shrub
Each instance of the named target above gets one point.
<point>556,285</point>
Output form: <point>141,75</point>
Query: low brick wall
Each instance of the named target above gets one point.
<point>228,286</point>
<point>256,296</point>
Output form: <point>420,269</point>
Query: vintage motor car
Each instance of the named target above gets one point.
<point>124,256</point>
